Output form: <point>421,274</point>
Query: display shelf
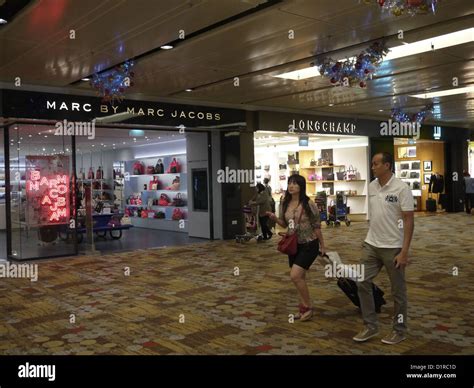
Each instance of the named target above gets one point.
<point>94,180</point>
<point>169,173</point>
<point>352,180</point>
<point>311,167</point>
<point>157,206</point>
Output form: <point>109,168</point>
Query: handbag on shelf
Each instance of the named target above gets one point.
<point>150,170</point>
<point>154,184</point>
<point>99,174</point>
<point>144,213</point>
<point>178,214</point>
<point>164,200</point>
<point>341,175</point>
<point>82,174</point>
<point>330,176</point>
<point>90,174</point>
<point>292,159</point>
<point>175,185</point>
<point>149,203</point>
<point>282,166</point>
<point>174,166</point>
<point>267,167</point>
<point>351,173</point>
<point>178,200</point>
<point>160,214</point>
<point>159,168</point>
<point>138,168</point>
<point>151,214</point>
<point>312,163</point>
<point>312,177</point>
<point>415,165</point>
<point>289,241</point>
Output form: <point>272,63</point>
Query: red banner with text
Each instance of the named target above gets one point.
<point>47,190</point>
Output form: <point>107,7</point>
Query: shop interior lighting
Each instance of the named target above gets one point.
<point>166,47</point>
<point>3,21</point>
<point>404,50</point>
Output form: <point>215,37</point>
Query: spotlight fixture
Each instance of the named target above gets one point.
<point>166,47</point>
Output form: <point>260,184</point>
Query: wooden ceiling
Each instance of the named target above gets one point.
<point>245,39</point>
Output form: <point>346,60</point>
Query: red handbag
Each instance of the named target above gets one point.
<point>178,214</point>
<point>174,166</point>
<point>150,170</point>
<point>289,242</point>
<point>164,200</point>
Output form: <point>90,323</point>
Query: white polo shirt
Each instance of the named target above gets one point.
<point>386,205</point>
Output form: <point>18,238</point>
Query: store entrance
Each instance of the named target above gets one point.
<point>132,187</point>
<point>335,168</point>
<point>120,189</point>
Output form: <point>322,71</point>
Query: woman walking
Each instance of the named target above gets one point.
<point>262,199</point>
<point>300,214</point>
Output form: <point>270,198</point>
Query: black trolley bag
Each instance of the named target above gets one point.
<point>430,204</point>
<point>349,287</point>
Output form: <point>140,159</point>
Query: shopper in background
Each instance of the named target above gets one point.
<point>262,200</point>
<point>386,245</point>
<point>468,191</point>
<point>266,182</point>
<point>295,206</point>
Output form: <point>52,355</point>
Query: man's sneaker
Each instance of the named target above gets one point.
<point>394,338</point>
<point>305,313</point>
<point>366,334</point>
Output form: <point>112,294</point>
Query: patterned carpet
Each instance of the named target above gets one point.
<point>187,300</point>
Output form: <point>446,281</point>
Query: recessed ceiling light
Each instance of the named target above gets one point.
<point>45,135</point>
<point>380,110</point>
<point>331,104</point>
<point>85,79</point>
<point>93,145</point>
<point>166,47</point>
<point>442,93</point>
<point>113,145</point>
<point>124,143</point>
<point>189,90</point>
<point>44,149</point>
<point>3,21</point>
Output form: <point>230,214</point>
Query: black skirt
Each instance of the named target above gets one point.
<point>305,255</point>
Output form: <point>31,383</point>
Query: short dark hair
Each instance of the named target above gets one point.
<point>266,180</point>
<point>260,187</point>
<point>387,157</point>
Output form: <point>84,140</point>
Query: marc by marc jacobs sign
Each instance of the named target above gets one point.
<point>139,111</point>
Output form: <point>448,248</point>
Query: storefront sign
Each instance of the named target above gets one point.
<point>24,104</point>
<point>47,190</point>
<point>323,126</point>
<point>301,123</point>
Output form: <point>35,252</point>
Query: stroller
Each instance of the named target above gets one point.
<point>252,227</point>
<point>322,204</point>
<point>338,211</point>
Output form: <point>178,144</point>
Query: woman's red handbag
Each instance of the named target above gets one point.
<point>289,242</point>
<point>178,214</point>
<point>150,170</point>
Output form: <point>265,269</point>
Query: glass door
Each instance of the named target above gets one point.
<point>40,193</point>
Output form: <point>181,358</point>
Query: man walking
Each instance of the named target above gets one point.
<point>386,245</point>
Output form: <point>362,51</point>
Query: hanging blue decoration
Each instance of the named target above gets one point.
<point>354,71</point>
<point>112,84</point>
<point>402,117</point>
